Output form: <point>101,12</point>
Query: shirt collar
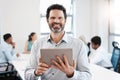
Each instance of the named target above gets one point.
<point>64,39</point>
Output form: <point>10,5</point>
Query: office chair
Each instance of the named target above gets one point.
<point>88,45</point>
<point>118,66</point>
<point>7,72</point>
<point>115,55</point>
<point>115,44</point>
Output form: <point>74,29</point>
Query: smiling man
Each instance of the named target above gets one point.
<point>60,70</point>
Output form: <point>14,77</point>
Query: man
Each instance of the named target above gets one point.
<point>61,70</point>
<point>7,49</point>
<point>99,55</point>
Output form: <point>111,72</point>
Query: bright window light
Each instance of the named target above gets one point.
<point>115,16</point>
<point>115,19</point>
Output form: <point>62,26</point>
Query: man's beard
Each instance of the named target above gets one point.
<point>56,29</point>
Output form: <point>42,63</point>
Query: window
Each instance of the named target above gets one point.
<point>115,20</point>
<point>0,32</point>
<point>68,4</point>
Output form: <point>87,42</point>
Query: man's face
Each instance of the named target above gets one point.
<point>94,46</point>
<point>9,40</point>
<point>56,21</point>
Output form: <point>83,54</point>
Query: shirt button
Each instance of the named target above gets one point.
<point>52,73</point>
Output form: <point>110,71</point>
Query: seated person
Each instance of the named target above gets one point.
<point>28,45</point>
<point>7,52</point>
<point>98,55</point>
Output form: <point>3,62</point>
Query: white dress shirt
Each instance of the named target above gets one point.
<point>81,72</point>
<point>100,57</point>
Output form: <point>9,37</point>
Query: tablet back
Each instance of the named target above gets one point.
<point>49,54</point>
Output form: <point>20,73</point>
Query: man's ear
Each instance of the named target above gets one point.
<point>65,21</point>
<point>47,20</point>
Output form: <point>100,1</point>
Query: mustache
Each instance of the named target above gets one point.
<point>56,23</point>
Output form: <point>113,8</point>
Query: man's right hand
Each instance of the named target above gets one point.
<point>13,44</point>
<point>42,68</point>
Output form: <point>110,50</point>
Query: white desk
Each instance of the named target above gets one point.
<point>21,64</point>
<point>98,73</point>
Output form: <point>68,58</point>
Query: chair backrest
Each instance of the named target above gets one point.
<point>88,45</point>
<point>118,66</point>
<point>115,44</point>
<point>7,72</point>
<point>115,56</point>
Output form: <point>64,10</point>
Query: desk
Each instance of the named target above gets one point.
<point>98,73</point>
<point>21,63</point>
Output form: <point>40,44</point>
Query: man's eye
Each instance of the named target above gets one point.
<point>52,18</point>
<point>60,17</point>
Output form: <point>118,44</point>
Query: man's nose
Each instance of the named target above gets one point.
<point>56,20</point>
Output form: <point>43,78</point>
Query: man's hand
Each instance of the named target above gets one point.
<point>41,69</point>
<point>13,44</point>
<point>17,54</point>
<point>64,66</point>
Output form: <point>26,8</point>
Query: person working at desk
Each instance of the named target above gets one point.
<point>7,49</point>
<point>99,55</point>
<point>61,70</point>
<point>28,45</point>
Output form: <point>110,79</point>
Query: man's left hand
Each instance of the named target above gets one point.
<point>64,66</point>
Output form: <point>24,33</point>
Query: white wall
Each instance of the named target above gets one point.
<point>20,18</point>
<point>82,18</point>
<point>92,19</point>
<point>100,18</point>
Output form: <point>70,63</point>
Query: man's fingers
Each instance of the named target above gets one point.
<point>65,60</point>
<point>40,60</point>
<point>56,64</point>
<point>74,64</point>
<point>42,69</point>
<point>61,62</point>
<point>40,72</point>
<point>43,65</point>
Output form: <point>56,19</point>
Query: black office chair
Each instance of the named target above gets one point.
<point>118,66</point>
<point>115,55</point>
<point>7,72</point>
<point>115,44</point>
<point>88,44</point>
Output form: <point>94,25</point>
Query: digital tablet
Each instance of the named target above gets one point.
<point>48,54</point>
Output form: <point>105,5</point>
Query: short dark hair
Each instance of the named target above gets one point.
<point>96,40</point>
<point>55,6</point>
<point>6,36</point>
